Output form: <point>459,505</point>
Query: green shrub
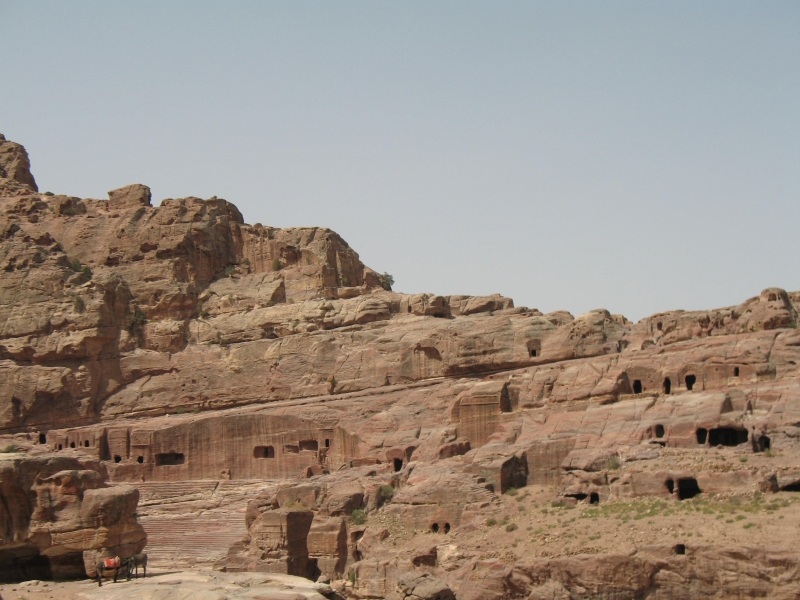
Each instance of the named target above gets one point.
<point>613,463</point>
<point>511,527</point>
<point>86,271</point>
<point>76,265</point>
<point>387,281</point>
<point>276,265</point>
<point>491,522</point>
<point>9,449</point>
<point>358,517</point>
<point>78,305</point>
<point>135,322</point>
<point>387,491</point>
<point>230,270</point>
<point>512,491</point>
<point>345,281</point>
<point>49,194</point>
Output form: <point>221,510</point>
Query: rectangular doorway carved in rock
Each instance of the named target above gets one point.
<point>312,445</point>
<point>169,459</point>
<point>264,452</point>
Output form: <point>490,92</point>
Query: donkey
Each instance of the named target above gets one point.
<point>118,566</point>
<point>140,560</point>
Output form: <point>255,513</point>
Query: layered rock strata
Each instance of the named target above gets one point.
<point>58,517</point>
<point>177,343</point>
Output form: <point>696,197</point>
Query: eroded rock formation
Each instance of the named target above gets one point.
<point>58,517</point>
<point>177,343</point>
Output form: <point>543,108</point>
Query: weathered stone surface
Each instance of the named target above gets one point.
<point>423,586</point>
<point>214,586</point>
<point>55,511</point>
<point>15,165</point>
<point>176,345</point>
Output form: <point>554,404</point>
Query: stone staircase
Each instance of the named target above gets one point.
<point>193,523</point>
<point>184,542</point>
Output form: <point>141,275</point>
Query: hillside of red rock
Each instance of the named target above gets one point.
<point>396,445</point>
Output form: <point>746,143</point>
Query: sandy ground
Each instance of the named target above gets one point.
<point>60,590</point>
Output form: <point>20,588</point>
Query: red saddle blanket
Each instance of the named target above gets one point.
<point>111,563</point>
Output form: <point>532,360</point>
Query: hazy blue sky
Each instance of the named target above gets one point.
<point>635,156</point>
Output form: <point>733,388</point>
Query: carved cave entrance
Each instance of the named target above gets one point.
<point>169,459</point>
<point>667,386</point>
<point>309,445</point>
<point>727,436</point>
<point>264,452</point>
<point>637,386</point>
<point>688,488</point>
<point>690,381</point>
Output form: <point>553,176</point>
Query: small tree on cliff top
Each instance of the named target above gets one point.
<point>387,281</point>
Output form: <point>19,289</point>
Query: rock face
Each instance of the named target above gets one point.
<point>176,343</point>
<point>58,517</point>
<point>214,586</point>
<point>15,170</point>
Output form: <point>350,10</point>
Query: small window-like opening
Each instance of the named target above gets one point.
<point>72,444</point>
<point>735,371</point>
<point>670,485</point>
<point>659,326</point>
<point>435,528</point>
<point>327,443</point>
<point>117,458</point>
<point>764,443</point>
<point>690,381</point>
<point>792,487</point>
<point>309,445</point>
<point>42,438</point>
<point>680,549</point>
<point>447,527</point>
<point>289,449</point>
<point>264,452</point>
<point>659,431</point>
<point>169,459</point>
<point>140,459</point>
<point>398,464</point>
<point>773,298</point>
<point>533,352</point>
<point>594,498</point>
<point>60,446</point>
<point>727,436</point>
<point>688,488</point>
<point>637,386</point>
<point>86,443</point>
<point>667,386</point>
<point>701,434</point>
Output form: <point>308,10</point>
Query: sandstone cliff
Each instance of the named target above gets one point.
<point>393,431</point>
